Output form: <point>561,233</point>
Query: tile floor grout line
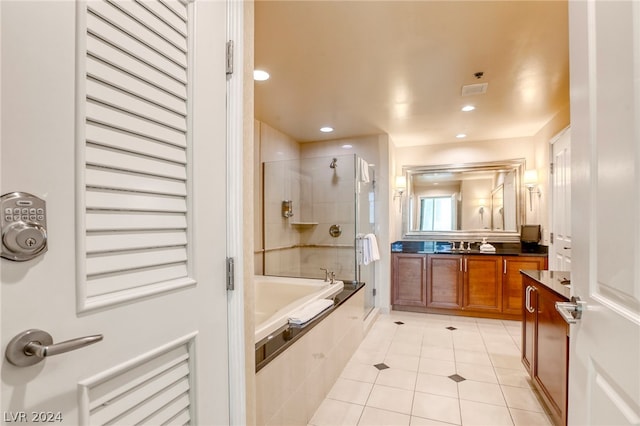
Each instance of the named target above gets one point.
<point>384,357</point>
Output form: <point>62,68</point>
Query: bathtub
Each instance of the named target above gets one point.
<point>277,297</point>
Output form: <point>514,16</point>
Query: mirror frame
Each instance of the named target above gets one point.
<point>466,235</point>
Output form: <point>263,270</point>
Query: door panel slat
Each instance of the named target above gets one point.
<point>123,221</point>
<point>96,156</point>
<point>122,262</point>
<point>128,241</point>
<point>123,141</point>
<point>102,178</point>
<point>134,202</point>
<point>107,284</point>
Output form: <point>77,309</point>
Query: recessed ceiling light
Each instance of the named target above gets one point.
<point>468,108</point>
<point>260,75</point>
<point>326,129</point>
<point>461,135</point>
<point>347,146</point>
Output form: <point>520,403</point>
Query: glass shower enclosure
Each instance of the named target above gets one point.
<point>316,213</point>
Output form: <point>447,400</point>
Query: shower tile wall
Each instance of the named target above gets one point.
<point>332,203</point>
<point>281,182</point>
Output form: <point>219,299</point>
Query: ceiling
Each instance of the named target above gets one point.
<point>398,67</point>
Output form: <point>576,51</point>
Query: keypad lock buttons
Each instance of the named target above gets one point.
<point>24,227</point>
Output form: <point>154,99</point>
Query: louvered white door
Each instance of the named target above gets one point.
<point>113,112</point>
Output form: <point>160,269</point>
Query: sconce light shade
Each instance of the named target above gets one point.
<point>531,182</point>
<point>530,178</point>
<point>400,186</point>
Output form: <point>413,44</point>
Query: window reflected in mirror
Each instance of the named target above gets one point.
<point>438,213</point>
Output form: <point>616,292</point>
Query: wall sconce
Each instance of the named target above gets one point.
<point>481,209</point>
<point>531,183</point>
<point>400,186</point>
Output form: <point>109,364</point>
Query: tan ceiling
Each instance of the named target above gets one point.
<point>397,67</point>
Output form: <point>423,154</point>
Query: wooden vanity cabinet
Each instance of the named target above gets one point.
<point>512,280</point>
<point>461,284</point>
<point>409,282</point>
<point>545,347</point>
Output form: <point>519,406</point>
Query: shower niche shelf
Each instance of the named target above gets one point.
<point>303,224</point>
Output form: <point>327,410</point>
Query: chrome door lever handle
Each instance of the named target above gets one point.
<point>571,311</point>
<point>32,346</point>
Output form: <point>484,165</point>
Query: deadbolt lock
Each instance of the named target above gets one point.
<point>24,226</point>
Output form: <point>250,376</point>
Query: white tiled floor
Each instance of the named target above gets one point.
<point>416,389</point>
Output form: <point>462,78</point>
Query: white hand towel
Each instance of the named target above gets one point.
<point>364,170</point>
<point>309,312</point>
<point>487,248</point>
<point>370,252</point>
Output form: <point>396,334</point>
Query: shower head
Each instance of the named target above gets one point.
<point>334,164</point>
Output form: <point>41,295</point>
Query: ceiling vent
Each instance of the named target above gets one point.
<point>474,89</point>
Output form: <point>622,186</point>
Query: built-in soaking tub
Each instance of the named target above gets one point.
<point>277,297</point>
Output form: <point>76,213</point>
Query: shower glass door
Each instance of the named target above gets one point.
<point>309,217</point>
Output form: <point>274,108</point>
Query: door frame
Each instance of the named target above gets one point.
<point>235,159</point>
<point>1,143</point>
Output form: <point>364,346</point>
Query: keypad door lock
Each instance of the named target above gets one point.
<point>24,226</point>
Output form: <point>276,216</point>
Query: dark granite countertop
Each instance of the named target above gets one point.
<point>271,346</point>
<point>440,247</point>
<point>553,280</point>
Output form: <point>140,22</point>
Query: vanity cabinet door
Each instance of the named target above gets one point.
<point>444,281</point>
<point>551,355</point>
<point>409,279</point>
<point>545,347</point>
<point>483,283</point>
<point>512,280</point>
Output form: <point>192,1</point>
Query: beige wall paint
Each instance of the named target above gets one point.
<point>466,152</point>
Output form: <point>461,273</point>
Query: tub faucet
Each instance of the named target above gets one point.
<point>329,276</point>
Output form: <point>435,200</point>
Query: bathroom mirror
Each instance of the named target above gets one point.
<point>464,201</point>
